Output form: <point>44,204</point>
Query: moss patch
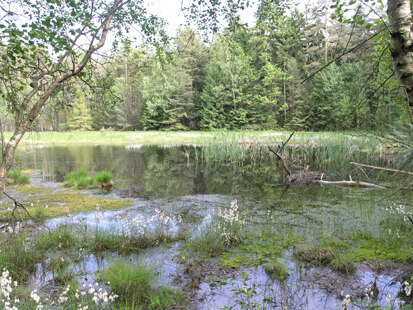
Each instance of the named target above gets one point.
<point>27,171</point>
<point>380,250</point>
<point>30,190</point>
<point>341,255</point>
<point>59,204</point>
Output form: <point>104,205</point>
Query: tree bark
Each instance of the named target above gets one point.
<point>401,31</point>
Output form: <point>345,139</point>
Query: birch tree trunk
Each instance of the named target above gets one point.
<point>27,113</point>
<point>401,31</point>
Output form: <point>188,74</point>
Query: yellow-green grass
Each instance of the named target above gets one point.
<point>32,190</point>
<point>190,137</point>
<point>64,203</point>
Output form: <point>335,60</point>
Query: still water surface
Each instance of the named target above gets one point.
<point>165,178</point>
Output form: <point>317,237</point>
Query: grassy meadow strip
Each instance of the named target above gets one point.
<point>190,137</point>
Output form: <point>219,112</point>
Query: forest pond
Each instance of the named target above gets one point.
<point>357,230</point>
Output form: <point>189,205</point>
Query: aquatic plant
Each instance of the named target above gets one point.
<point>277,269</point>
<point>248,295</point>
<point>78,179</point>
<point>135,284</point>
<point>132,282</point>
<point>102,177</point>
<point>224,231</point>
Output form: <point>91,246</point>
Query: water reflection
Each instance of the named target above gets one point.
<point>150,170</point>
<point>166,179</point>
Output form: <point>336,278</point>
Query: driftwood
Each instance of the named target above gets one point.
<point>305,177</point>
<point>381,168</point>
<point>302,177</point>
<point>351,182</point>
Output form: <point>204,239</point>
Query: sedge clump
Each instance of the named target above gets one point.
<point>81,180</point>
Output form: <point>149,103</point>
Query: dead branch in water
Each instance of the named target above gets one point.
<point>17,205</point>
<point>381,168</point>
<point>278,153</point>
<point>351,182</point>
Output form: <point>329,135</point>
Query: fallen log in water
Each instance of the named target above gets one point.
<point>351,183</point>
<point>381,168</point>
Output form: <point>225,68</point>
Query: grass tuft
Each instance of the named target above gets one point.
<point>135,285</point>
<point>81,180</point>
<point>20,262</point>
<point>277,270</point>
<point>14,177</point>
<point>23,180</point>
<point>317,256</point>
<point>132,282</point>
<point>78,179</point>
<point>342,263</point>
<point>61,238</point>
<point>102,177</point>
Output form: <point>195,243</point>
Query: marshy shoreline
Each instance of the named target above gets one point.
<point>209,223</point>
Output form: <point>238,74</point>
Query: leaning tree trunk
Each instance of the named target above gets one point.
<point>25,119</point>
<point>401,31</point>
<point>8,157</point>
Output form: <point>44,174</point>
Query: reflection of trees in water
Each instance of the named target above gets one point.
<point>163,172</point>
